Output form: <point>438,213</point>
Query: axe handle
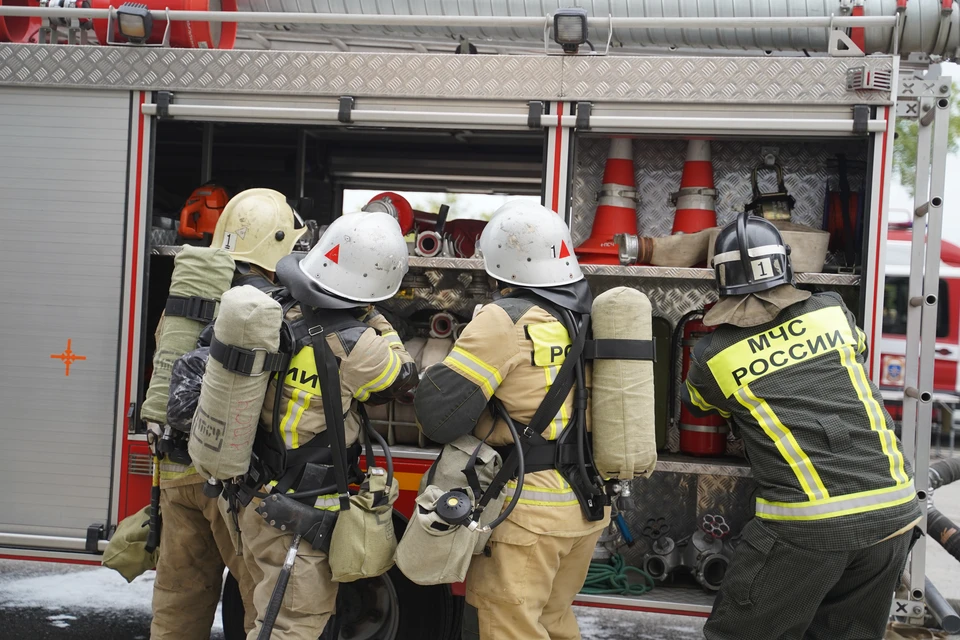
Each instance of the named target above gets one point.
<point>276,598</point>
<point>153,537</point>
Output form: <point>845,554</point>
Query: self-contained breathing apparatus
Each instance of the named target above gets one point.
<point>570,454</point>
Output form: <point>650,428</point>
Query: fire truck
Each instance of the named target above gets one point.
<point>946,383</point>
<point>110,116</point>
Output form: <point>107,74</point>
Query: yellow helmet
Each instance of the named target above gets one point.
<point>259,227</point>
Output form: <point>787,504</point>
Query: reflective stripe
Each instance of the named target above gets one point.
<point>838,505</point>
<point>381,382</point>
<point>878,423</point>
<point>786,443</point>
<point>703,428</point>
<point>556,426</point>
<point>175,470</point>
<point>326,502</point>
<point>392,338</point>
<point>473,367</point>
<point>861,341</point>
<point>296,406</point>
<point>542,496</point>
<point>702,404</point>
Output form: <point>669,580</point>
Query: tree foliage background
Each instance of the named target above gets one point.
<point>905,146</point>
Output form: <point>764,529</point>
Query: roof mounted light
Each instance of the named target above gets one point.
<point>570,28</point>
<point>134,22</point>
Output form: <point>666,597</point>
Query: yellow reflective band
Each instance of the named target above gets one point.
<point>837,506</point>
<point>786,443</point>
<point>326,502</point>
<point>381,382</point>
<point>557,424</point>
<point>702,404</point>
<point>475,368</point>
<point>393,338</point>
<point>542,496</point>
<point>861,341</point>
<point>803,338</point>
<point>551,342</point>
<point>878,423</point>
<point>296,406</point>
<point>174,470</point>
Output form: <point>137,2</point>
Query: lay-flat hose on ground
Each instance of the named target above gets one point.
<point>944,531</point>
<point>943,472</point>
<point>614,578</point>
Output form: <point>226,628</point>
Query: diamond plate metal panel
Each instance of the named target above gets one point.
<point>682,500</point>
<point>283,72</point>
<point>719,80</point>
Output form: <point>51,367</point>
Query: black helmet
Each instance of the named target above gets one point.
<point>749,256</point>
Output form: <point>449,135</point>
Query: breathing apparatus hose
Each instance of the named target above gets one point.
<point>520,473</point>
<point>371,432</point>
<point>614,578</point>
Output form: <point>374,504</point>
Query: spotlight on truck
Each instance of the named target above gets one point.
<point>570,28</point>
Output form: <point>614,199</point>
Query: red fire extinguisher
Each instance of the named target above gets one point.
<point>705,436</point>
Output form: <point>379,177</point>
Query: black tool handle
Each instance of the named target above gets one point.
<point>276,598</point>
<point>442,219</point>
<point>153,537</point>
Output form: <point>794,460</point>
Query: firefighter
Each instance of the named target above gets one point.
<point>360,260</point>
<point>258,228</point>
<point>836,511</point>
<point>523,585</point>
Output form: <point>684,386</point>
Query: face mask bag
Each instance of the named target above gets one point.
<point>364,543</point>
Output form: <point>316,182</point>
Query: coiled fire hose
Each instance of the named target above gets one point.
<point>614,578</point>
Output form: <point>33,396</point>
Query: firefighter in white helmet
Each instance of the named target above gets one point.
<point>360,260</point>
<point>258,228</point>
<point>523,586</point>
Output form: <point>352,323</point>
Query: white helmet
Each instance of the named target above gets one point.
<point>362,257</point>
<point>529,245</point>
<point>259,227</point>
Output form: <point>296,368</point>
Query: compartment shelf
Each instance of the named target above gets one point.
<point>600,270</point>
<point>669,273</point>
<point>676,600</point>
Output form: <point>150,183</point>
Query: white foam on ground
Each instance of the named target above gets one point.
<point>96,589</point>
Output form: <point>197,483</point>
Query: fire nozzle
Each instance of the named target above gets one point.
<point>633,249</point>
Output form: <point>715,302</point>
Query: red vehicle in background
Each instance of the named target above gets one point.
<point>893,344</point>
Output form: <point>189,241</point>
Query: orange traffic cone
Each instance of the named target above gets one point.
<point>697,197</point>
<point>616,208</point>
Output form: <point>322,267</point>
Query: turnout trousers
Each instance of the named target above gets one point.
<point>525,588</point>
<point>311,595</point>
<point>775,590</point>
<point>195,546</point>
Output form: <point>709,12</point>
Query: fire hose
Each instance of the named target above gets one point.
<point>944,472</point>
<point>614,577</point>
<point>944,531</point>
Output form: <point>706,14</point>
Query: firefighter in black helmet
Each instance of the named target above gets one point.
<point>836,511</point>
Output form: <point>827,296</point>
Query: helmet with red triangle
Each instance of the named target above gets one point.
<point>528,245</point>
<point>361,257</point>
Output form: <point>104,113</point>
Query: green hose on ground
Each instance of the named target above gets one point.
<point>614,578</point>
